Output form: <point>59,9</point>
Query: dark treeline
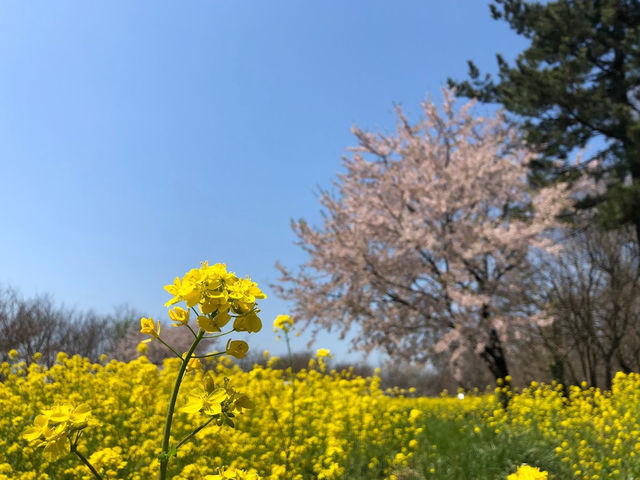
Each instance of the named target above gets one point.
<point>39,325</point>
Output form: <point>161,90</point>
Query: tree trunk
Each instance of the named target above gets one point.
<point>493,355</point>
<point>624,366</point>
<point>556,369</point>
<point>633,203</point>
<point>608,373</point>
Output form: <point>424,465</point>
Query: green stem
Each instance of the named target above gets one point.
<point>274,413</point>
<point>209,355</point>
<point>293,399</point>
<point>169,347</point>
<point>84,460</point>
<point>164,459</point>
<point>220,334</point>
<point>194,333</point>
<point>185,439</point>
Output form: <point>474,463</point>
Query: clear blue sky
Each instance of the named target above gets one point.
<point>138,138</point>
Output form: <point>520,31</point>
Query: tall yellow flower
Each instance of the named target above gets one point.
<point>323,352</point>
<point>282,322</point>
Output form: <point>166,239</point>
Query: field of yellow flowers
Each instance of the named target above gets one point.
<point>342,427</point>
<point>200,417</point>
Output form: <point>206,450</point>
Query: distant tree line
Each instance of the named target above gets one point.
<point>39,325</point>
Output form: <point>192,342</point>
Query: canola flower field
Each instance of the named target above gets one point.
<point>200,417</point>
<point>344,428</point>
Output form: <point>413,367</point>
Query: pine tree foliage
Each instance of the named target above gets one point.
<point>578,80</point>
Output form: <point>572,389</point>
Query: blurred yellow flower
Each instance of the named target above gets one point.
<point>282,322</point>
<point>525,472</point>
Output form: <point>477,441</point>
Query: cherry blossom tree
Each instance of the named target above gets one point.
<point>421,235</point>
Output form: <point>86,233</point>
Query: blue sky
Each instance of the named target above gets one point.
<point>138,138</point>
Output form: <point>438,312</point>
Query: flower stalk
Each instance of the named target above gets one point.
<point>165,455</point>
<point>83,459</point>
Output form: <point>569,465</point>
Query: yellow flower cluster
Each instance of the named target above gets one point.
<point>58,426</point>
<point>212,399</point>
<point>108,460</point>
<point>218,294</point>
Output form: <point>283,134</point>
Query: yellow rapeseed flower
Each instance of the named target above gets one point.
<point>525,472</point>
<point>180,316</point>
<point>149,328</point>
<point>282,322</point>
<point>209,403</point>
<point>55,426</point>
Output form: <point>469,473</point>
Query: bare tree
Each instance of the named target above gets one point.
<point>591,295</point>
<point>38,325</point>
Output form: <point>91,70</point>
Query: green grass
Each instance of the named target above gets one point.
<point>455,452</point>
